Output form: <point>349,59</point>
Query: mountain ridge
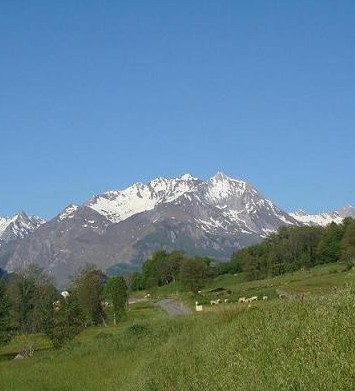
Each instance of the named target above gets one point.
<point>213,217</point>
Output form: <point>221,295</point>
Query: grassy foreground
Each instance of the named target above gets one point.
<point>274,345</point>
<point>277,345</point>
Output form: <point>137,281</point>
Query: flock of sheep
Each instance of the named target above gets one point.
<point>249,300</point>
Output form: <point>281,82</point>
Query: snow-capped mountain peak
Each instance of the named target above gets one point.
<point>347,211</point>
<point>18,226</point>
<point>220,186</point>
<point>299,213</point>
<point>322,219</point>
<point>119,205</point>
<point>235,203</point>
<point>188,177</point>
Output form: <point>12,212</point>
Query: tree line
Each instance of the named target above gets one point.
<point>293,248</point>
<point>163,268</point>
<point>290,249</point>
<point>30,303</point>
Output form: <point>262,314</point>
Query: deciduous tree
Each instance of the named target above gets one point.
<point>87,288</point>
<point>116,291</point>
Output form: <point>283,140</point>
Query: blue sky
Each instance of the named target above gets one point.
<point>96,95</point>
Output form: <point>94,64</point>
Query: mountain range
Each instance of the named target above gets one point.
<point>118,230</point>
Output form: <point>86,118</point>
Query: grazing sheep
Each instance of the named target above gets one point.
<point>56,305</point>
<point>241,300</point>
<point>226,300</point>
<point>148,296</point>
<point>214,302</point>
<point>264,298</point>
<point>251,299</point>
<point>65,294</point>
<point>198,307</point>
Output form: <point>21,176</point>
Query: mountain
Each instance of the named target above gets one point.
<point>323,219</point>
<point>18,226</point>
<point>122,228</point>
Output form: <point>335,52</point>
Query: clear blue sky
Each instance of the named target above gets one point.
<point>97,95</point>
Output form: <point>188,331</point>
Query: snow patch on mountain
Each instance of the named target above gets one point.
<point>68,212</point>
<point>4,222</point>
<point>322,219</point>
<point>120,205</point>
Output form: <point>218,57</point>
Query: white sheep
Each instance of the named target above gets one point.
<point>198,307</point>
<point>251,299</point>
<point>214,302</point>
<point>241,300</point>
<point>65,294</point>
<point>148,296</point>
<point>264,298</point>
<point>56,305</point>
<point>226,300</point>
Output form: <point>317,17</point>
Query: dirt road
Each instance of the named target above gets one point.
<point>173,308</point>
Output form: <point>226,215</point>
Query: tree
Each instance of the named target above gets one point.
<point>328,249</point>
<point>154,270</point>
<point>134,281</point>
<point>347,244</point>
<point>194,273</point>
<point>116,291</point>
<point>87,288</point>
<point>237,262</point>
<point>31,293</point>
<point>175,260</point>
<point>253,266</point>
<point>66,321</point>
<point>5,335</point>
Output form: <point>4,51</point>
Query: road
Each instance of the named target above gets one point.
<point>173,308</point>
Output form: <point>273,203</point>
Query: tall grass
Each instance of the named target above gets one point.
<point>278,345</point>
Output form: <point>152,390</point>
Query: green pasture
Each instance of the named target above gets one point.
<point>276,345</point>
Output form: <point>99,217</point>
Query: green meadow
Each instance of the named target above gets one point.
<point>278,344</point>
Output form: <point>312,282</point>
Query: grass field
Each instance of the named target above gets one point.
<point>319,280</point>
<point>274,345</point>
